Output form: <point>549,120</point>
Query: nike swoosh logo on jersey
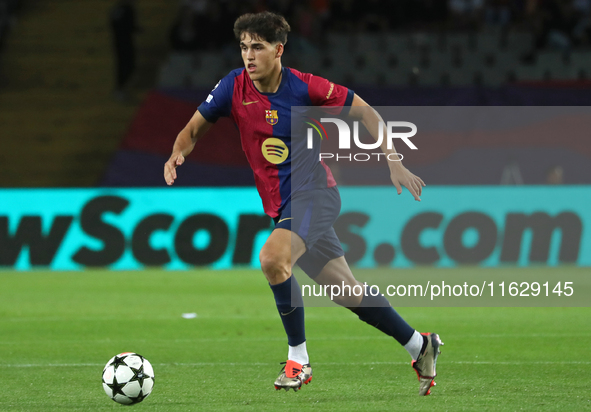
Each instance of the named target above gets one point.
<point>287,218</point>
<point>245,103</point>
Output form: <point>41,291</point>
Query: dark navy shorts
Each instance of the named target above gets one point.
<point>311,214</point>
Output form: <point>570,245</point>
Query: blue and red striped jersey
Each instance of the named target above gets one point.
<point>264,122</point>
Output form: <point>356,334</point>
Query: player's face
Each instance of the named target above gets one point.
<point>259,56</point>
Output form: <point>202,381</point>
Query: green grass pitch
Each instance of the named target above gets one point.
<point>57,330</point>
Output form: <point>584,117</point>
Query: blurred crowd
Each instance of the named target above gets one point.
<point>561,24</point>
<point>207,24</point>
<point>7,13</point>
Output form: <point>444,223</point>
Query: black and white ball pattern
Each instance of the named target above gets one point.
<point>128,378</point>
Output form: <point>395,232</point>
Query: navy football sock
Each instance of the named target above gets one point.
<point>377,312</point>
<point>292,312</point>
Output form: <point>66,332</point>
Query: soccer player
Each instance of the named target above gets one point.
<point>259,98</point>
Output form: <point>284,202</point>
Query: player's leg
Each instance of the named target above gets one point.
<point>277,254</point>
<point>374,310</point>
<point>326,265</point>
<point>276,258</point>
<point>303,220</point>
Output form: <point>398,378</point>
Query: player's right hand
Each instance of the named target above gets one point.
<point>176,159</point>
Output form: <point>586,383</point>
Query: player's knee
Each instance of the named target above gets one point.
<point>344,292</point>
<point>276,268</point>
<point>348,295</point>
<point>348,301</point>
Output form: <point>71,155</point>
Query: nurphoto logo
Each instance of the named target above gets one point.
<point>345,139</point>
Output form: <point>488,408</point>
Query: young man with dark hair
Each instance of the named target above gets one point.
<point>256,97</point>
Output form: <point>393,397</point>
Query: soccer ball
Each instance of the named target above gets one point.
<point>128,378</point>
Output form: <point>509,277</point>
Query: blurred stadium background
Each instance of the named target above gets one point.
<point>62,119</point>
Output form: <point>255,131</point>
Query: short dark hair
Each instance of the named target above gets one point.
<point>266,25</point>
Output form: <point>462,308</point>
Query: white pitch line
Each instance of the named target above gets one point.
<point>199,317</point>
<point>231,339</point>
<point>76,365</point>
<point>322,338</point>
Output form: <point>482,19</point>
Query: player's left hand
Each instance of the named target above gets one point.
<point>401,176</point>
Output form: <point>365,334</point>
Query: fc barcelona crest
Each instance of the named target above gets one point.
<point>271,117</point>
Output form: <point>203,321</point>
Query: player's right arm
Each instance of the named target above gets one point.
<point>184,144</point>
<point>217,104</point>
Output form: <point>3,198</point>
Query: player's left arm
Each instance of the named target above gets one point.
<point>399,174</point>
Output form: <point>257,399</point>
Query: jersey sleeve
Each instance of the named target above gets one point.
<point>219,102</point>
<point>326,93</point>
